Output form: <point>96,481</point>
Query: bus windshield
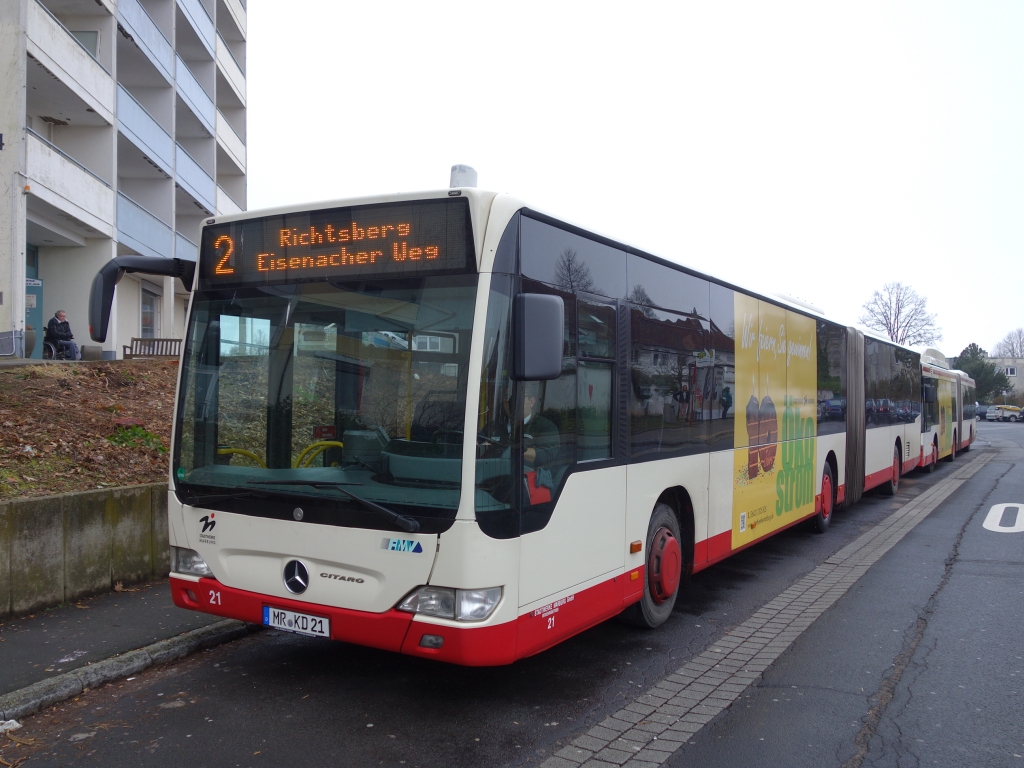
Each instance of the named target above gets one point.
<point>291,393</point>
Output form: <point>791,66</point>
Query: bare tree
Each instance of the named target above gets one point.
<point>901,313</point>
<point>572,274</point>
<point>642,300</point>
<point>1012,344</point>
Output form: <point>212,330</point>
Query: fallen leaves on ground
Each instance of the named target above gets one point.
<point>57,420</point>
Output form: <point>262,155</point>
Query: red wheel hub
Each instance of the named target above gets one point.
<point>826,497</point>
<point>664,565</point>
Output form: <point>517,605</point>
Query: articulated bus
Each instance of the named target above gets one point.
<point>450,426</point>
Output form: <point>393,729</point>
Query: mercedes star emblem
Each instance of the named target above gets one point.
<point>296,577</point>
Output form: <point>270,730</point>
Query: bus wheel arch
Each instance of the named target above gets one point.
<point>668,559</point>
<point>952,448</point>
<point>934,456</point>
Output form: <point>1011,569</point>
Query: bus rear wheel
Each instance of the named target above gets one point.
<point>952,450</point>
<point>664,571</point>
<point>890,488</point>
<point>933,465</point>
<point>823,519</point>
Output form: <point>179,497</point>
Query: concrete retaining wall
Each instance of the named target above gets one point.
<point>55,549</point>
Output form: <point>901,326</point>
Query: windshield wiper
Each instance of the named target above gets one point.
<point>402,521</point>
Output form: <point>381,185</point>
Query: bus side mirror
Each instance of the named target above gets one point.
<point>102,294</point>
<point>539,319</point>
<point>930,395</point>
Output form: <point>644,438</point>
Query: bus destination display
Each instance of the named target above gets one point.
<point>394,240</point>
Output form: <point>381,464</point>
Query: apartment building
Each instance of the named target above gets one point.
<point>123,126</point>
<point>1013,367</point>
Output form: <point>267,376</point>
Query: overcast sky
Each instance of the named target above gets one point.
<point>816,149</point>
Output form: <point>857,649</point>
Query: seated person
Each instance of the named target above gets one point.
<point>58,333</point>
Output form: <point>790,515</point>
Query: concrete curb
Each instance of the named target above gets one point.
<point>33,698</point>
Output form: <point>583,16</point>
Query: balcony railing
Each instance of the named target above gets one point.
<point>141,231</point>
<point>63,182</point>
<point>64,55</point>
<point>226,204</point>
<point>145,132</point>
<point>194,95</point>
<point>200,20</point>
<point>147,35</point>
<point>185,248</point>
<point>194,180</point>
<point>231,141</point>
<point>230,67</point>
<point>238,12</point>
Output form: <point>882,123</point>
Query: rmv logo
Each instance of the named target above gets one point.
<point>401,545</point>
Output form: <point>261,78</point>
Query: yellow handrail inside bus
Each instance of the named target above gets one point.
<point>242,452</point>
<point>320,446</point>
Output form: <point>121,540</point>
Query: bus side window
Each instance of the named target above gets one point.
<point>596,321</point>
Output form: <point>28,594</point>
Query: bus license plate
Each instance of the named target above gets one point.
<point>289,621</point>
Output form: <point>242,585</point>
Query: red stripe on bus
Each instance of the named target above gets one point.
<point>876,479</point>
<point>394,630</point>
<point>542,628</point>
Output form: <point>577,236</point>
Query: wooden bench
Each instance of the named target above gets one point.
<point>144,348</point>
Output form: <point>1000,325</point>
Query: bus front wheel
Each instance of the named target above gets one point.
<point>664,570</point>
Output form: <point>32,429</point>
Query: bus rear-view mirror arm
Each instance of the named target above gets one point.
<point>102,294</point>
<point>539,319</point>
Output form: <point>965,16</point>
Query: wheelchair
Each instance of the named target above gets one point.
<point>52,351</point>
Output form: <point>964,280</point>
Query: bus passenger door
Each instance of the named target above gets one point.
<point>574,494</point>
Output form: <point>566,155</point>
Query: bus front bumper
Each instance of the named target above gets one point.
<point>393,630</point>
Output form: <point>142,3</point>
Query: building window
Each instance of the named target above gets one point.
<point>1011,371</point>
<point>150,315</point>
<point>89,40</point>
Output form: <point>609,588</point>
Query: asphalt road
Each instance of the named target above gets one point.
<point>921,663</point>
<point>918,664</point>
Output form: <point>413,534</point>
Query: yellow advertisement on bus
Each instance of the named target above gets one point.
<point>776,419</point>
<point>946,398</point>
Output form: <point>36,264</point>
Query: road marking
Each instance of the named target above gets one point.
<point>648,731</point>
<point>1000,514</point>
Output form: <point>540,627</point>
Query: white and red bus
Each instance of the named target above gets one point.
<point>448,425</point>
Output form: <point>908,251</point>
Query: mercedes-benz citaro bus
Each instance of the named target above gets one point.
<point>447,425</point>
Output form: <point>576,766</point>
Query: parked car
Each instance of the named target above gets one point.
<point>981,410</point>
<point>835,408</point>
<point>1004,413</point>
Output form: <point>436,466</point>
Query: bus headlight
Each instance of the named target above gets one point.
<point>476,604</point>
<point>188,561</point>
<point>447,603</point>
